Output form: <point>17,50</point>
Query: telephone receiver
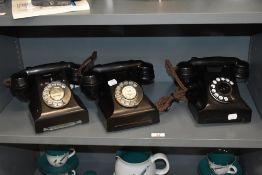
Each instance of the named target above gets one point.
<point>52,102</point>
<point>21,82</point>
<point>136,70</point>
<point>117,87</point>
<point>213,95</point>
<point>187,69</point>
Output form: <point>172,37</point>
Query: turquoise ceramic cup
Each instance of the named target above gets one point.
<point>221,162</point>
<point>58,157</point>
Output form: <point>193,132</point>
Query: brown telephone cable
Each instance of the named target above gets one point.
<point>164,103</point>
<point>87,64</point>
<point>7,82</point>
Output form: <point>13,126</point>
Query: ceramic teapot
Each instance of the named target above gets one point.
<point>139,163</point>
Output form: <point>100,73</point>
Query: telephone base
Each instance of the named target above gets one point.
<point>119,118</point>
<point>115,123</point>
<point>237,114</point>
<point>61,118</point>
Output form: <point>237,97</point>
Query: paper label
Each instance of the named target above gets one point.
<point>24,8</point>
<point>112,82</point>
<point>74,86</point>
<point>158,134</point>
<point>232,116</point>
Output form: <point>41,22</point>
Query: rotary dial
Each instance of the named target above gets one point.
<point>128,94</point>
<point>221,89</point>
<point>56,94</point>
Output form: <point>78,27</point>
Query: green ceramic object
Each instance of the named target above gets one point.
<point>45,168</point>
<point>56,152</point>
<point>221,158</point>
<point>203,168</point>
<point>134,156</point>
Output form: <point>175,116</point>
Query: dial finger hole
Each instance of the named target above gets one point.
<point>213,86</point>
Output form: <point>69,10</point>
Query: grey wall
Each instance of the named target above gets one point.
<point>17,160</point>
<point>255,83</point>
<point>252,162</point>
<point>153,49</point>
<point>10,63</point>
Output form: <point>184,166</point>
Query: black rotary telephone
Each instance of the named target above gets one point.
<point>213,95</point>
<point>117,86</point>
<point>52,103</point>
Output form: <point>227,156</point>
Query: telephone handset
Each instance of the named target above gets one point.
<point>117,86</point>
<point>135,70</point>
<point>52,103</point>
<point>213,95</point>
<point>22,81</point>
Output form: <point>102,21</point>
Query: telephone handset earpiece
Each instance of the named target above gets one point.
<point>242,70</point>
<point>89,85</point>
<point>20,85</point>
<point>185,72</point>
<point>146,73</point>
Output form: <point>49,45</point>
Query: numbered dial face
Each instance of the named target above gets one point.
<point>56,94</point>
<point>128,94</point>
<point>221,89</point>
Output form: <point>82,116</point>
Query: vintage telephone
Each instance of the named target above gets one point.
<point>117,86</point>
<point>212,94</point>
<point>52,103</point>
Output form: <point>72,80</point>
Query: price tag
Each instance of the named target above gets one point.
<point>158,134</point>
<point>112,82</point>
<point>232,116</point>
<point>74,86</point>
